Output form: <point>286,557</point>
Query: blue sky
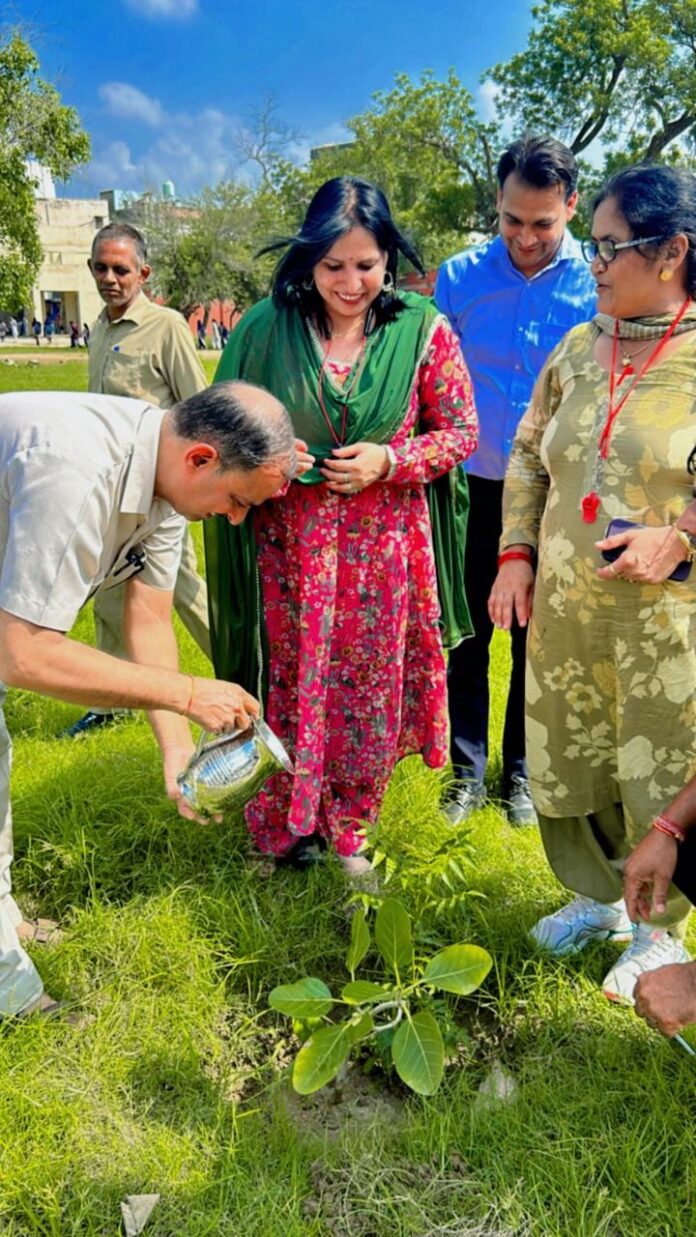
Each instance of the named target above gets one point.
<point>164,86</point>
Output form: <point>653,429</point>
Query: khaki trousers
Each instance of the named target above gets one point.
<point>190,603</point>
<point>20,982</point>
<point>587,854</point>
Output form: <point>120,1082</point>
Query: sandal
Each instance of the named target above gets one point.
<point>48,1007</point>
<point>39,932</point>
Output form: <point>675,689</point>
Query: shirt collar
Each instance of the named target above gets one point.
<point>568,251</point>
<point>139,491</point>
<point>137,312</point>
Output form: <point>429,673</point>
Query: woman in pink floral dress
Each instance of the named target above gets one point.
<point>377,387</point>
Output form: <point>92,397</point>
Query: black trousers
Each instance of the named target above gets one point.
<point>467,676</point>
<point>685,873</point>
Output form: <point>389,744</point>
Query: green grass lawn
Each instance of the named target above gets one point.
<point>174,936</point>
<point>59,372</point>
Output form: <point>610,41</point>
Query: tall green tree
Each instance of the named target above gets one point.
<point>424,145</point>
<point>623,71</point>
<point>34,124</point>
<point>204,250</point>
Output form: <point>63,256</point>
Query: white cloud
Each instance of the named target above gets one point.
<point>488,94</point>
<point>164,10</point>
<point>113,169</point>
<point>129,103</point>
<point>191,150</point>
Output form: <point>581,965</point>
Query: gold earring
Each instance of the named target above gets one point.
<point>666,275</point>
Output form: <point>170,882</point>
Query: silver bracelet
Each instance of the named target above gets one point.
<point>393,462</point>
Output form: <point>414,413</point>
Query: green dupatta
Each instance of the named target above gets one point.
<point>274,348</point>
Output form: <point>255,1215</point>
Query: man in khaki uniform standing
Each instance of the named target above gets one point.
<point>143,351</point>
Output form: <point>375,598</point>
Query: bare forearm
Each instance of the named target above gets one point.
<point>48,662</point>
<point>682,809</point>
<point>154,644</point>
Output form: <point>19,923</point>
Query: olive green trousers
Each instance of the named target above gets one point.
<point>587,854</point>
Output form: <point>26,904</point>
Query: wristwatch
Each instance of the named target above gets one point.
<point>688,541</point>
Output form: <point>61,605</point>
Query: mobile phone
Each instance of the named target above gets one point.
<point>681,571</point>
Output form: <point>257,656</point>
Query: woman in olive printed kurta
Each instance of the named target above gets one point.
<point>611,670</point>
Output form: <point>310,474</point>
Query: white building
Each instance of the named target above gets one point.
<point>64,290</point>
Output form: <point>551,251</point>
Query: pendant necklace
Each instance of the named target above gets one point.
<point>628,358</point>
<point>340,439</point>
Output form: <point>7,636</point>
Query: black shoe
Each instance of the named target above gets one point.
<point>91,721</point>
<point>465,797</point>
<point>306,852</point>
<point>519,806</point>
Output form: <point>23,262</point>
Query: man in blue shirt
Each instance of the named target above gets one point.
<point>510,301</point>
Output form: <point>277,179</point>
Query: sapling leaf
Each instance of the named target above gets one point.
<point>418,1053</point>
<point>362,1028</point>
<point>458,968</point>
<point>320,1059</point>
<point>393,935</point>
<point>359,941</point>
<point>307,998</point>
<point>363,992</point>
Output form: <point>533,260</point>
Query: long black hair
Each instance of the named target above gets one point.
<point>657,201</point>
<point>340,204</point>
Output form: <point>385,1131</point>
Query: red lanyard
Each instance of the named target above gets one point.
<point>591,502</point>
<point>340,440</point>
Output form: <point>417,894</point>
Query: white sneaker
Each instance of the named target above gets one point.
<point>581,921</point>
<point>650,948</point>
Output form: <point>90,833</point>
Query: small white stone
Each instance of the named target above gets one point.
<point>497,1085</point>
<point>136,1211</point>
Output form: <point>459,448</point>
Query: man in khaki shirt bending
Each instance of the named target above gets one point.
<point>92,491</point>
<point>143,351</point>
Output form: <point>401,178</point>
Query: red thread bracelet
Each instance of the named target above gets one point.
<point>508,556</point>
<point>670,828</point>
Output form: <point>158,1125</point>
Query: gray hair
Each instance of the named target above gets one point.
<point>247,426</point>
<point>122,232</point>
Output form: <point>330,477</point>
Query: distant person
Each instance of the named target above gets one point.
<point>92,485</point>
<point>85,334</point>
<point>200,332</point>
<point>36,331</point>
<point>74,334</point>
<point>224,334</point>
<point>14,329</point>
<point>510,301</point>
<point>49,330</point>
<point>215,331</point>
<point>144,351</point>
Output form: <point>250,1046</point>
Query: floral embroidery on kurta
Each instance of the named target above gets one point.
<point>357,671</point>
<point>611,669</point>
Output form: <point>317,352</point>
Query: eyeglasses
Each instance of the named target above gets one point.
<point>607,250</point>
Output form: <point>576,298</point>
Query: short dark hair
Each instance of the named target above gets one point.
<point>541,162</point>
<point>656,201</point>
<point>341,204</point>
<point>244,433</point>
<point>123,232</point>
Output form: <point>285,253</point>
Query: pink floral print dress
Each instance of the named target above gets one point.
<point>357,674</point>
